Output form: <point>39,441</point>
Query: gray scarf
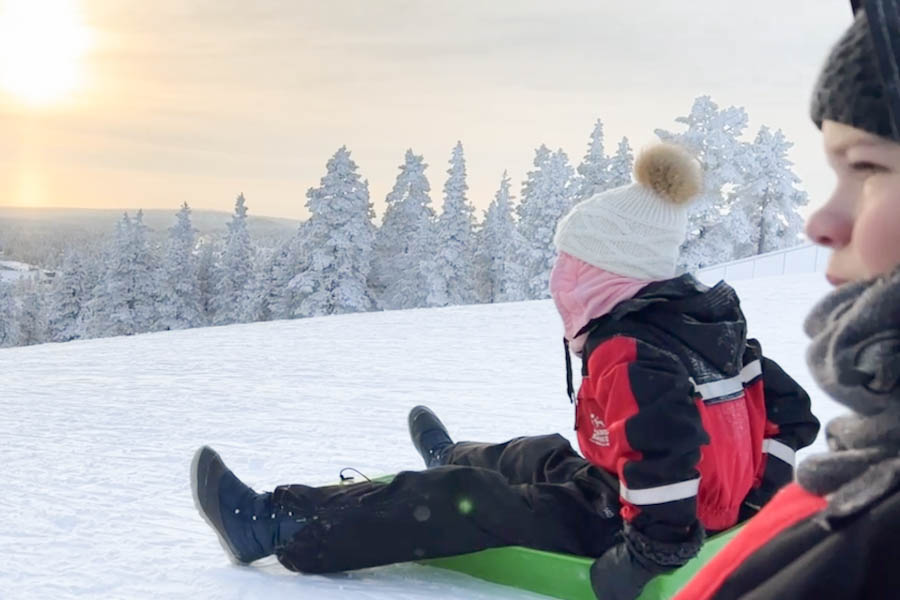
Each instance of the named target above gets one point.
<point>855,357</point>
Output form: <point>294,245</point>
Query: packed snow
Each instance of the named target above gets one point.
<point>98,434</point>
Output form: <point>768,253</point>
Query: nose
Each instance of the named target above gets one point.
<point>830,226</point>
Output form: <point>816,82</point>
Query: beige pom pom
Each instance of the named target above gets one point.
<point>670,171</point>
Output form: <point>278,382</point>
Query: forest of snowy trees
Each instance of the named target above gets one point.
<point>339,261</point>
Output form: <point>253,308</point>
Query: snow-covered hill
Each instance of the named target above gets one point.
<point>97,435</point>
<point>12,270</point>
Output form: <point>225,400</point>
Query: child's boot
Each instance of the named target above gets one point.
<point>249,525</point>
<point>429,436</point>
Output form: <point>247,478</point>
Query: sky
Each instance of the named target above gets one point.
<point>199,100</point>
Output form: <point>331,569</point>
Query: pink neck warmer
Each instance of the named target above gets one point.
<point>583,292</point>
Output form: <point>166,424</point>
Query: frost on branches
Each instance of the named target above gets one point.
<point>68,298</point>
<point>234,276</point>
<point>279,299</point>
<point>770,195</point>
<point>621,165</point>
<point>124,300</point>
<point>593,172</point>
<point>338,243</point>
<point>546,197</point>
<point>180,306</point>
<point>30,313</point>
<point>404,244</point>
<point>9,330</point>
<point>748,200</point>
<point>501,275</point>
<point>450,273</point>
<point>599,172</point>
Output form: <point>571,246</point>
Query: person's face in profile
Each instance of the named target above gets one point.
<point>861,220</point>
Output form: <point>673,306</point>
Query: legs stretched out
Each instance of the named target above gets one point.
<point>534,492</point>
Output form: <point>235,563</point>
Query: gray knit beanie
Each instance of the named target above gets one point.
<point>860,82</point>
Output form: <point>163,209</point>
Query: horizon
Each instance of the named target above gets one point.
<point>131,210</point>
<point>198,102</point>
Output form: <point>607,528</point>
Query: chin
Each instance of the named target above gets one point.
<point>836,280</point>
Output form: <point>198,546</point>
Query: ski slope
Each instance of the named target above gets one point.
<point>97,435</point>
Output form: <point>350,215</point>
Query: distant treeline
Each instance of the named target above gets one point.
<point>339,261</point>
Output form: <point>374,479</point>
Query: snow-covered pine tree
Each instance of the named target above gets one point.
<point>206,275</point>
<point>234,270</point>
<point>111,308</point>
<point>713,136</point>
<point>535,180</point>
<point>253,300</point>
<point>404,243</point>
<point>145,273</point>
<point>67,299</point>
<point>274,282</point>
<point>546,197</point>
<point>594,170</point>
<point>337,243</point>
<point>93,265</point>
<point>500,250</point>
<point>9,330</point>
<point>282,300</point>
<point>769,194</point>
<point>451,278</point>
<point>30,314</point>
<point>179,292</point>
<point>621,165</point>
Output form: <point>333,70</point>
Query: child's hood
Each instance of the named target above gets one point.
<point>707,320</point>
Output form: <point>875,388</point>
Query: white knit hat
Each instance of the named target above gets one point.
<point>636,230</point>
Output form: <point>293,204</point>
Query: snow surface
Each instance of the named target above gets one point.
<point>12,270</point>
<point>97,435</point>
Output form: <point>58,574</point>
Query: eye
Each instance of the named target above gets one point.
<point>866,167</point>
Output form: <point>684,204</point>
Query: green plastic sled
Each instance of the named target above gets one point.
<point>564,576</point>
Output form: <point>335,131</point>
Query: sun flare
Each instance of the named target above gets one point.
<point>41,46</point>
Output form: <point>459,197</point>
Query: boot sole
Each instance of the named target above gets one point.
<point>213,515</point>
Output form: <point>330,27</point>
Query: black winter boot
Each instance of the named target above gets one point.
<point>429,436</point>
<point>248,524</point>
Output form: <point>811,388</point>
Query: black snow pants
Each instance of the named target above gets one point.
<point>531,491</point>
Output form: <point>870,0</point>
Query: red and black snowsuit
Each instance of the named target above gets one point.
<point>692,419</point>
<point>673,381</point>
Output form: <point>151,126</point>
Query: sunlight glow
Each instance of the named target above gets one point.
<point>30,190</point>
<point>41,45</point>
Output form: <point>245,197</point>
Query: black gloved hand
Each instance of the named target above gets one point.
<point>621,575</point>
<point>752,504</point>
<point>777,475</point>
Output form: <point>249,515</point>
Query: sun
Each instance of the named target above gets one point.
<point>41,46</point>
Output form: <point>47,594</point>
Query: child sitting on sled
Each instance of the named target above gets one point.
<point>685,428</point>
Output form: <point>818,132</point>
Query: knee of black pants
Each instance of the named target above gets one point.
<point>545,452</point>
<point>303,555</point>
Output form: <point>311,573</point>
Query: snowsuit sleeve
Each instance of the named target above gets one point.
<point>648,404</point>
<point>790,426</point>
